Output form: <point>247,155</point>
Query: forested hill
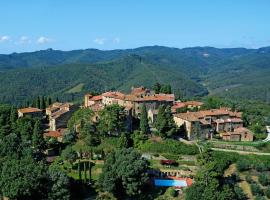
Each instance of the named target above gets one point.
<point>235,72</point>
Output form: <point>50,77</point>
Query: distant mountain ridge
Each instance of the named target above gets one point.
<point>195,71</point>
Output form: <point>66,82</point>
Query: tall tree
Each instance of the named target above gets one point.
<point>49,101</point>
<point>166,89</point>
<point>38,141</point>
<point>160,123</point>
<point>59,184</point>
<point>22,179</point>
<point>170,124</point>
<point>156,88</point>
<point>123,141</point>
<point>112,120</point>
<point>42,103</point>
<point>124,173</point>
<point>38,102</point>
<point>13,118</point>
<point>144,126</point>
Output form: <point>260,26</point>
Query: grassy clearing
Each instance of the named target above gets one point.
<point>76,89</point>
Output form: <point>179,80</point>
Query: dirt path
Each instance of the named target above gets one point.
<point>242,152</point>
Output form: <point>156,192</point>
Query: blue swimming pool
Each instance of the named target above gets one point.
<point>170,183</point>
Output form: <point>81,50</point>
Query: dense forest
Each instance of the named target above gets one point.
<point>237,73</point>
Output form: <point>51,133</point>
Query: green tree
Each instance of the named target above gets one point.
<point>138,138</point>
<point>112,120</point>
<point>267,192</point>
<point>160,123</point>
<point>49,101</point>
<point>10,146</point>
<point>105,196</point>
<point>42,103</point>
<point>37,103</point>
<point>156,88</point>
<point>80,118</point>
<point>165,123</point>
<point>124,173</point>
<point>144,126</point>
<point>59,184</point>
<point>170,124</point>
<point>38,141</point>
<point>69,154</point>
<point>22,179</point>
<point>263,179</point>
<point>166,89</point>
<point>123,141</point>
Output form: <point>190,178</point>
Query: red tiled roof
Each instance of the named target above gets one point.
<point>193,103</point>
<point>156,97</point>
<point>96,98</point>
<point>195,116</point>
<point>234,120</point>
<point>139,90</point>
<point>29,110</point>
<point>54,134</point>
<point>116,95</point>
<point>178,105</point>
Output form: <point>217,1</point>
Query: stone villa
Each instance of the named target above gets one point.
<point>59,114</point>
<point>31,112</point>
<point>203,124</point>
<point>132,102</point>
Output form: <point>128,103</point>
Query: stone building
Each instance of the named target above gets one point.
<point>202,124</point>
<point>31,112</point>
<point>59,114</point>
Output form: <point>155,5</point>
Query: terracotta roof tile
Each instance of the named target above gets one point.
<point>29,110</point>
<point>193,103</point>
<point>96,98</point>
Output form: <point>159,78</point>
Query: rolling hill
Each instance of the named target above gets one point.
<point>234,73</point>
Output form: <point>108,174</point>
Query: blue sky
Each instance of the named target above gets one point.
<point>28,25</point>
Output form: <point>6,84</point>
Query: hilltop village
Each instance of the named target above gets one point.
<point>147,138</point>
<point>198,123</point>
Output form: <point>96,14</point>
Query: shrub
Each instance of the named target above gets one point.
<point>267,192</point>
<point>256,189</point>
<point>260,167</point>
<point>249,179</point>
<point>169,146</point>
<point>172,192</point>
<point>243,165</point>
<point>239,193</point>
<point>263,179</point>
<point>259,198</point>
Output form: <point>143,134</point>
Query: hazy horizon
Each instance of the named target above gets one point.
<point>33,25</point>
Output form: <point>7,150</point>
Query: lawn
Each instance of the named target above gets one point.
<point>76,89</point>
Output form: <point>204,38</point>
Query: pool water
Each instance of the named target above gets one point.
<point>170,183</point>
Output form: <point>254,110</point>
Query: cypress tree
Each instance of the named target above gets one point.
<point>156,88</point>
<point>170,124</point>
<point>123,141</point>
<point>42,103</point>
<point>13,118</point>
<point>38,102</point>
<point>49,101</point>
<point>84,169</point>
<point>144,126</point>
<point>37,137</point>
<point>160,122</point>
<point>90,172</point>
<point>79,170</point>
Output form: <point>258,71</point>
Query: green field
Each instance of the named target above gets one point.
<point>76,89</point>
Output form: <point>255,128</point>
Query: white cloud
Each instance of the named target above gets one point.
<point>43,40</point>
<point>116,40</point>
<point>24,40</point>
<point>4,38</point>
<point>99,41</point>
